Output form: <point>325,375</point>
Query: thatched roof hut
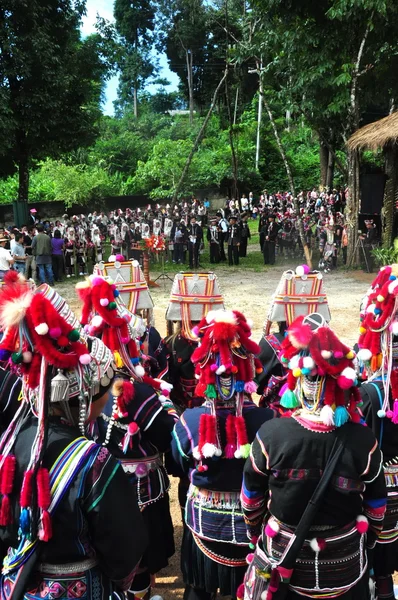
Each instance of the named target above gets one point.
<point>376,135</point>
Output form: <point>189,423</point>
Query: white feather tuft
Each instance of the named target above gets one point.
<point>14,311</point>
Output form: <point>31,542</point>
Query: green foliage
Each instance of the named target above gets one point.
<point>386,256</point>
<point>51,82</point>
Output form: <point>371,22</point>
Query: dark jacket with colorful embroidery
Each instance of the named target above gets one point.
<point>286,464</point>
<point>98,517</point>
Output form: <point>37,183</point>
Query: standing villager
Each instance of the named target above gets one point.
<point>378,358</point>
<point>6,260</point>
<point>195,237</point>
<point>369,242</point>
<point>233,241</point>
<point>69,517</point>
<point>58,245</point>
<point>245,236</point>
<point>135,424</point>
<point>288,461</point>
<point>210,444</point>
<point>269,235</point>
<point>41,247</point>
<point>214,234</point>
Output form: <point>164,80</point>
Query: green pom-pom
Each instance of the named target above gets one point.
<point>16,358</point>
<point>289,400</point>
<point>245,450</point>
<point>111,305</point>
<point>74,335</point>
<point>284,359</point>
<point>210,391</point>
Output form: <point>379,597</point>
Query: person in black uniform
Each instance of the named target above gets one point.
<point>234,238</point>
<point>245,236</point>
<point>271,233</point>
<point>195,237</point>
<point>369,241</point>
<point>214,235</point>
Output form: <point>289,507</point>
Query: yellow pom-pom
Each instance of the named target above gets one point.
<point>380,298</point>
<point>350,355</point>
<point>362,330</point>
<point>118,359</point>
<point>296,372</point>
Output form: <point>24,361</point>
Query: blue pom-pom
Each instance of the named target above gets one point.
<point>305,371</point>
<point>116,293</point>
<point>239,386</point>
<point>24,521</point>
<point>392,278</point>
<point>4,354</point>
<point>377,311</point>
<point>135,360</point>
<point>381,414</point>
<point>341,416</point>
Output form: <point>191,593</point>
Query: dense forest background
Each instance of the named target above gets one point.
<point>270,90</point>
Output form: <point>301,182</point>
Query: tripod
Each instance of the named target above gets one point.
<point>163,274</point>
<point>359,246</point>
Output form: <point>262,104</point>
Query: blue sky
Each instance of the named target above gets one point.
<point>105,9</point>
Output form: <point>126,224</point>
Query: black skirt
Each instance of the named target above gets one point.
<point>359,592</point>
<point>385,559</point>
<point>201,572</point>
<point>160,530</point>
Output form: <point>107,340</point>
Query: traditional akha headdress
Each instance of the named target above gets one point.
<point>299,293</point>
<point>379,326</point>
<point>192,296</point>
<point>44,345</point>
<point>225,366</point>
<point>105,316</point>
<point>321,374</point>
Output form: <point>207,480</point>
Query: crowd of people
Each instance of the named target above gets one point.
<point>292,495</point>
<point>77,242</point>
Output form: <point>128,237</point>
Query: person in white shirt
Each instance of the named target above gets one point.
<point>6,259</point>
<point>244,203</point>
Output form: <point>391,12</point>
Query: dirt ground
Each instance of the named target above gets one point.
<point>250,292</point>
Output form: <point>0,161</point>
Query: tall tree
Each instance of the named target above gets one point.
<point>50,83</point>
<point>135,24</point>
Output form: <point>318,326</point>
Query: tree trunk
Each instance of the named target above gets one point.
<point>199,137</point>
<point>23,177</point>
<point>232,143</point>
<point>390,193</point>
<point>330,171</point>
<point>189,60</point>
<point>260,114</point>
<point>135,99</point>
<point>324,160</point>
<point>291,183</point>
<point>353,206</point>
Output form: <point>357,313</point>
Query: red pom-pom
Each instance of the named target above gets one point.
<point>46,529</point>
<point>62,341</point>
<point>133,428</point>
<point>27,489</point>
<point>234,369</point>
<point>5,512</point>
<point>43,489</point>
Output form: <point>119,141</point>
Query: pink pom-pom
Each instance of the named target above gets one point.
<point>362,524</point>
<point>133,428</point>
<point>249,558</point>
<point>119,257</point>
<point>229,451</point>
<point>27,356</point>
<point>55,332</point>
<point>389,414</point>
<point>213,367</point>
<point>97,281</point>
<point>91,330</point>
<point>240,592</point>
<point>104,301</point>
<point>344,383</point>
<point>250,387</point>
<point>166,393</point>
<point>338,354</point>
<point>195,331</point>
<point>85,359</point>
<point>272,528</point>
<point>86,328</point>
<point>125,340</point>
